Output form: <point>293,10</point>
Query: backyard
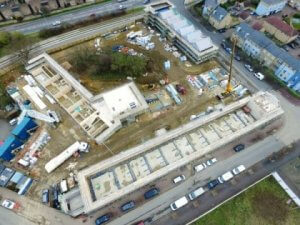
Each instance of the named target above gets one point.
<point>266,203</point>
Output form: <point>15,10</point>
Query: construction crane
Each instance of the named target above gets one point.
<point>229,86</point>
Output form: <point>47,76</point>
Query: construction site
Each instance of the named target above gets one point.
<point>109,137</point>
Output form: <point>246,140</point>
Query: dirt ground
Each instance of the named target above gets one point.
<point>142,130</point>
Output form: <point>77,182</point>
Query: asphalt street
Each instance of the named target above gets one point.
<point>72,16</point>
<point>5,128</point>
<point>222,192</point>
<point>8,217</point>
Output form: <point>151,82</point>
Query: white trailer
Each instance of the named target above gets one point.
<point>62,157</point>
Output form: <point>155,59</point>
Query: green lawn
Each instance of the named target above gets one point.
<point>262,204</point>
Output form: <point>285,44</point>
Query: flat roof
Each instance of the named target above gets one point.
<point>110,179</point>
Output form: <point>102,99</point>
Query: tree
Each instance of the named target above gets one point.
<point>21,45</point>
<point>4,98</point>
<point>45,11</point>
<point>4,38</point>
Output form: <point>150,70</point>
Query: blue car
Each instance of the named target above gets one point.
<point>127,206</point>
<point>212,184</point>
<point>103,219</point>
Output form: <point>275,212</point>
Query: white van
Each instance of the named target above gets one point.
<point>259,76</point>
<point>179,179</point>
<point>225,177</point>
<point>179,203</point>
<point>238,169</point>
<point>196,193</point>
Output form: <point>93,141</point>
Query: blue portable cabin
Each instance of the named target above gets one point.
<point>10,144</point>
<point>22,129</point>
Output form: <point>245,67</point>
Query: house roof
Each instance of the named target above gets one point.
<point>211,4</point>
<point>282,26</point>
<point>219,13</point>
<point>244,31</point>
<point>244,15</point>
<point>257,26</point>
<point>272,2</point>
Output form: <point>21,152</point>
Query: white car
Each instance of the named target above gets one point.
<point>200,167</point>
<point>211,161</point>
<point>259,76</point>
<point>8,204</point>
<point>179,203</point>
<point>179,179</point>
<point>238,169</point>
<point>56,23</point>
<point>248,67</point>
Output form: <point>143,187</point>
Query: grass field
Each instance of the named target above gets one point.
<point>262,204</point>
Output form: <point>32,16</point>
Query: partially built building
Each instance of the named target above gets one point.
<point>128,171</point>
<point>100,115</point>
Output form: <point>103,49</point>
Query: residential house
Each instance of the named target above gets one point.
<point>260,47</point>
<point>281,30</point>
<point>268,7</point>
<point>220,18</point>
<point>208,7</point>
<point>244,16</point>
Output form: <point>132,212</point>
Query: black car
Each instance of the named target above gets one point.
<point>239,147</point>
<point>237,58</point>
<point>222,30</point>
<point>212,184</point>
<point>151,193</point>
<point>127,206</point>
<point>103,219</point>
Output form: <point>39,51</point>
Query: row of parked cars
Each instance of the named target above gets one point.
<point>201,190</point>
<point>128,206</point>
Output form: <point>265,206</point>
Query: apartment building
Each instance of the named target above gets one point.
<point>180,32</point>
<point>279,29</point>
<point>268,7</point>
<point>258,46</point>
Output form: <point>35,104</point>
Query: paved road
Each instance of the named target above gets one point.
<point>8,217</point>
<point>5,128</point>
<point>71,17</point>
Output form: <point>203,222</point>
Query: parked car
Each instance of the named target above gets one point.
<point>179,179</point>
<point>151,193</point>
<point>103,219</point>
<point>196,193</point>
<point>200,167</point>
<point>13,122</point>
<point>225,177</point>
<point>121,0</point>
<point>179,203</point>
<point>248,67</point>
<point>56,23</point>
<point>223,30</point>
<point>238,169</point>
<point>259,76</point>
<point>238,58</point>
<point>122,7</point>
<point>223,45</point>
<point>128,206</point>
<point>211,161</point>
<point>228,50</point>
<point>146,1</point>
<point>45,196</point>
<point>212,184</point>
<point>8,204</point>
<point>239,147</point>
